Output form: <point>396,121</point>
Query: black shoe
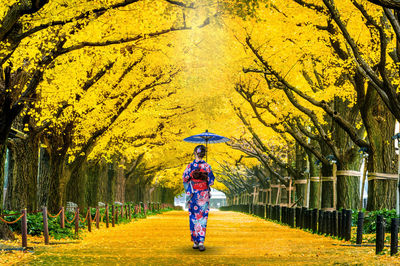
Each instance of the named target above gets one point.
<point>195,245</point>
<point>202,247</point>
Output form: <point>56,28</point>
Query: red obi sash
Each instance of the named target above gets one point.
<point>199,184</point>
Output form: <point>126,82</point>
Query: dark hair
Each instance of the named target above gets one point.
<point>200,151</point>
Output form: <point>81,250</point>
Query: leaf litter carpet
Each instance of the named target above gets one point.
<point>232,238</point>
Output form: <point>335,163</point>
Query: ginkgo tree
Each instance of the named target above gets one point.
<point>48,44</point>
<point>333,97</point>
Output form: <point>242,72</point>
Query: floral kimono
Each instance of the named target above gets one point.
<point>197,180</point>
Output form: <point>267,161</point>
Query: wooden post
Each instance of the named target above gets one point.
<point>24,229</point>
<point>89,220</point>
<point>107,216</point>
<point>113,215</point>
<point>126,212</point>
<point>360,224</point>
<point>340,221</point>
<point>344,217</point>
<point>290,193</point>
<point>62,218</point>
<point>45,226</point>
<point>76,221</point>
<point>116,214</point>
<point>328,223</point>
<point>380,234</point>
<point>298,210</point>
<point>320,189</point>
<point>394,237</point>
<point>320,221</point>
<point>130,212</point>
<point>314,220</point>
<point>97,217</point>
<point>334,223</point>
<point>348,225</point>
<point>334,170</point>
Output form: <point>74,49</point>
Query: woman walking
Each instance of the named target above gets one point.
<point>197,180</point>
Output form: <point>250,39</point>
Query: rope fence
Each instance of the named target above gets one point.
<point>334,223</point>
<point>84,220</point>
<point>54,216</point>
<point>73,219</point>
<point>13,222</point>
<point>98,217</point>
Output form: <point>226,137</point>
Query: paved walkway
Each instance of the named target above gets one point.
<point>232,238</point>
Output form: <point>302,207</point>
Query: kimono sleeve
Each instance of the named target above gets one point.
<point>211,176</point>
<point>186,180</point>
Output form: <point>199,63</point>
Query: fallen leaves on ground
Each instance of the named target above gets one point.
<point>232,238</point>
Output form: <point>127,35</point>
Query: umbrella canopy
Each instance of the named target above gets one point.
<point>206,138</point>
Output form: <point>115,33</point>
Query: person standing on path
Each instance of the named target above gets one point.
<point>197,179</point>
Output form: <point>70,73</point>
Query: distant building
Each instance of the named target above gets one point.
<point>217,200</point>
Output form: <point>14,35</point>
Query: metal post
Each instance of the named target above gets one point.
<point>45,226</point>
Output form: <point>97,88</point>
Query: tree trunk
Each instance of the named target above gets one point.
<point>348,187</point>
<point>111,183</point>
<point>56,191</point>
<point>3,153</point>
<point>44,177</point>
<point>380,125</point>
<point>103,181</point>
<point>314,181</point>
<point>167,196</point>
<point>314,185</point>
<point>120,185</point>
<point>327,187</point>
<point>22,185</point>
<point>5,231</point>
<point>93,173</point>
<point>76,185</point>
<point>300,193</point>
